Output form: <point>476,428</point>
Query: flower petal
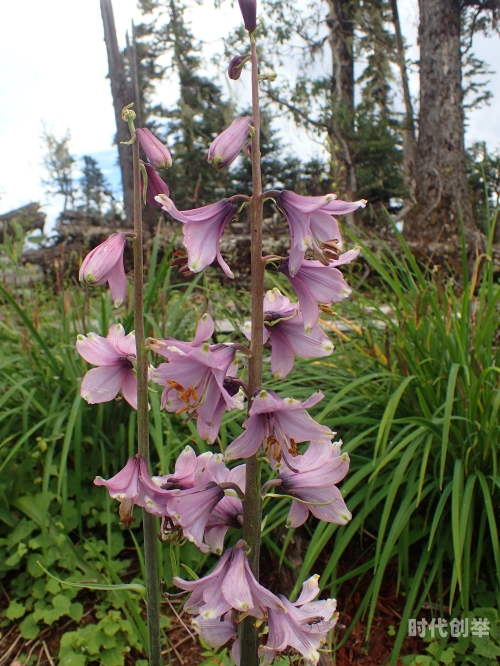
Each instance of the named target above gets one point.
<point>248,442</point>
<point>216,631</point>
<point>235,587</point>
<point>129,387</point>
<point>297,515</point>
<point>282,354</point>
<point>310,590</point>
<point>204,329</point>
<point>102,384</point>
<point>117,282</point>
<point>97,350</point>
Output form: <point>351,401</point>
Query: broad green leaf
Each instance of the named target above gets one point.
<point>14,610</point>
<point>29,628</point>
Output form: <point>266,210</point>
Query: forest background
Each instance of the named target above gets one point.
<point>413,388</point>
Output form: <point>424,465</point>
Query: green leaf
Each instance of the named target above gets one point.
<point>485,648</point>
<point>29,628</point>
<point>61,603</point>
<point>15,610</point>
<point>112,657</point>
<point>133,587</point>
<point>72,659</point>
<point>450,394</point>
<point>33,568</point>
<point>76,611</point>
<point>190,572</point>
<point>448,656</point>
<point>52,586</point>
<point>23,529</point>
<point>491,520</point>
<point>388,417</point>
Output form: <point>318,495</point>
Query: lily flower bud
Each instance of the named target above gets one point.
<point>236,66</point>
<point>155,186</point>
<point>105,264</point>
<point>249,12</point>
<point>226,147</point>
<point>156,152</point>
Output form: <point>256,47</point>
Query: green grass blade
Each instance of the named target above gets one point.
<point>132,587</point>
<point>27,322</point>
<point>388,417</point>
<point>450,395</point>
<point>488,504</point>
<point>68,435</point>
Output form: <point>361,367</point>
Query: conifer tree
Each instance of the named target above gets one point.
<point>200,113</point>
<point>59,165</point>
<point>94,188</point>
<point>359,139</point>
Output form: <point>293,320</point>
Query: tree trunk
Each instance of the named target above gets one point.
<point>341,130</point>
<point>409,138</point>
<point>441,188</point>
<point>122,94</point>
<point>133,66</point>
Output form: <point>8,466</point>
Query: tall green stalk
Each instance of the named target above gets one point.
<point>252,506</point>
<point>148,520</point>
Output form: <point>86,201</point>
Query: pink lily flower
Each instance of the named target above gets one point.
<point>156,152</point>
<point>312,225</point>
<point>316,283</point>
<point>191,510</point>
<point>168,346</point>
<point>284,325</point>
<point>155,186</point>
<point>279,424</point>
<point>198,378</point>
<point>203,228</point>
<point>202,509</point>
<point>227,146</point>
<point>227,513</point>
<point>193,471</point>
<point>230,585</point>
<point>115,357</point>
<point>183,476</point>
<point>215,631</point>
<point>303,625</point>
<point>133,486</point>
<point>317,471</point>
<point>105,264</point>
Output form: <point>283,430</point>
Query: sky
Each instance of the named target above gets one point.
<point>53,69</point>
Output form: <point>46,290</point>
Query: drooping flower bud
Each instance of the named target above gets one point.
<point>226,147</point>
<point>156,152</point>
<point>249,12</point>
<point>236,66</point>
<point>105,264</point>
<point>155,186</point>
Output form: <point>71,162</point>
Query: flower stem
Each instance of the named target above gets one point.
<point>148,520</point>
<point>252,508</point>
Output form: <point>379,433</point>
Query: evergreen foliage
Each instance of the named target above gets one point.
<point>59,165</point>
<point>94,188</point>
